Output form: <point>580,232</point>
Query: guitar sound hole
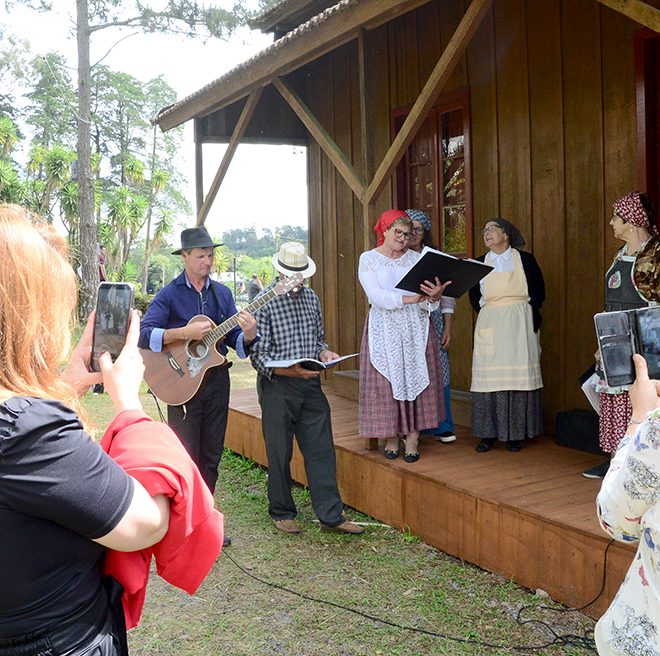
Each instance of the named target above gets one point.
<point>197,349</point>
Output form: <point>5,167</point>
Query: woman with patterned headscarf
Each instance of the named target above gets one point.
<point>441,319</point>
<point>400,380</point>
<point>506,362</point>
<point>632,281</point>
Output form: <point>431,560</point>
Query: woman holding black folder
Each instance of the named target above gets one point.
<point>506,367</point>
<point>400,379</point>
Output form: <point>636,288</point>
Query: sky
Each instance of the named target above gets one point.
<point>258,175</point>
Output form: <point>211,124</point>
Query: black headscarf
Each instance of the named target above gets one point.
<point>515,237</point>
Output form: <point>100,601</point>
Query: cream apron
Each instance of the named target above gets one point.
<point>506,349</point>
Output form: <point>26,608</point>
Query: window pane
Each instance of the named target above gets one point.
<point>453,182</point>
<point>421,168</point>
<point>453,139</point>
<point>455,229</point>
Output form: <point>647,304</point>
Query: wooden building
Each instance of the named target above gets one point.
<point>539,111</point>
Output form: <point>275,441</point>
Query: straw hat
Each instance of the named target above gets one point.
<point>291,258</point>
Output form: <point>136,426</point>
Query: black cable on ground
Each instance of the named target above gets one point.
<point>557,641</point>
<point>586,640</point>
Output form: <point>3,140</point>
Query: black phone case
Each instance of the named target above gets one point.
<point>622,334</point>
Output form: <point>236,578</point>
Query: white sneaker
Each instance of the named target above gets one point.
<point>446,437</point>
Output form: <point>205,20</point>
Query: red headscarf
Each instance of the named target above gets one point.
<point>387,218</point>
<point>631,210</point>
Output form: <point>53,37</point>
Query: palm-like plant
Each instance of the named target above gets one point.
<point>8,136</point>
<point>134,171</point>
<point>221,258</point>
<point>10,185</point>
<point>69,213</point>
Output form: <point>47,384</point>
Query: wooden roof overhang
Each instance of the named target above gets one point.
<point>343,22</point>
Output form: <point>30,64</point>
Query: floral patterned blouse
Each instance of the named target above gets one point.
<point>629,510</point>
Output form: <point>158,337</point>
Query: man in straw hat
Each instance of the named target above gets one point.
<point>291,399</point>
<point>201,422</point>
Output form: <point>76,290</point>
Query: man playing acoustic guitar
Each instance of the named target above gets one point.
<point>201,421</point>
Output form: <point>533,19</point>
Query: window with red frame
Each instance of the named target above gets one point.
<point>434,174</point>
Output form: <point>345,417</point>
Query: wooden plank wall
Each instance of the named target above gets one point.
<point>553,145</point>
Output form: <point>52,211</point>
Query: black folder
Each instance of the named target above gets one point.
<point>463,273</point>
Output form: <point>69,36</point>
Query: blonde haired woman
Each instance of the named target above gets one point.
<point>62,499</point>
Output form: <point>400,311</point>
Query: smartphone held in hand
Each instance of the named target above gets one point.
<point>624,333</point>
<point>113,312</point>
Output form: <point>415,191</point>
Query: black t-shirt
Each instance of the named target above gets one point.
<point>58,491</point>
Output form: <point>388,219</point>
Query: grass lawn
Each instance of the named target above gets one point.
<point>384,573</point>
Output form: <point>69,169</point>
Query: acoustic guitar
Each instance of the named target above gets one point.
<point>176,373</point>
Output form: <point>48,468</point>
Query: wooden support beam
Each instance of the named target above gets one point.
<point>322,138</point>
<point>438,78</point>
<point>641,12</point>
<point>239,130</point>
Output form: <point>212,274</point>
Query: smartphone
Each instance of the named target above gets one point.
<point>114,303</point>
<point>623,333</point>
<point>648,322</point>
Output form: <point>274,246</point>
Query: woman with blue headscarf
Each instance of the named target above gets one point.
<point>441,320</point>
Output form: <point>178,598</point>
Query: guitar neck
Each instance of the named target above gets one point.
<point>226,326</point>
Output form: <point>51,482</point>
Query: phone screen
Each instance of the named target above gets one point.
<point>617,346</point>
<point>648,321</point>
<point>113,310</point>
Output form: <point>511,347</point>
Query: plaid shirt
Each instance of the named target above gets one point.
<point>290,327</point>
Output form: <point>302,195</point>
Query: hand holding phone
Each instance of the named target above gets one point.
<point>645,392</point>
<point>122,377</point>
<point>113,308</point>
<point>77,373</point>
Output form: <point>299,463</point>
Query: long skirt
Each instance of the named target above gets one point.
<point>507,416</point>
<point>615,413</point>
<point>381,415</point>
<point>447,425</point>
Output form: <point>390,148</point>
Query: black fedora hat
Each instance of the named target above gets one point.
<point>195,238</point>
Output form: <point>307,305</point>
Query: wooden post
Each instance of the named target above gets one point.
<point>239,130</point>
<point>366,121</point>
<point>199,168</point>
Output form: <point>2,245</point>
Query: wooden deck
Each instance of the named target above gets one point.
<point>529,516</point>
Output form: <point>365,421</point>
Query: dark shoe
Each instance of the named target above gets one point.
<point>446,437</point>
<point>392,455</point>
<point>514,446</point>
<point>226,541</point>
<point>598,471</point>
<point>344,527</point>
<point>485,445</point>
<point>287,526</point>
<point>411,457</point>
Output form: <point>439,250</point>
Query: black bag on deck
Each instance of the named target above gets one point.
<point>578,429</point>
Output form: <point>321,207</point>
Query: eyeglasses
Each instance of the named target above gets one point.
<point>490,228</point>
<point>417,231</point>
<point>402,233</point>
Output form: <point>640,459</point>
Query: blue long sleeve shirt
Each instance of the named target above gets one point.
<point>178,302</point>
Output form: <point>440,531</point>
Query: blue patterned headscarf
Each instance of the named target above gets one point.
<point>422,217</point>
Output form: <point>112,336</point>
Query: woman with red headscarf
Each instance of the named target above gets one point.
<point>630,282</point>
<point>400,378</point>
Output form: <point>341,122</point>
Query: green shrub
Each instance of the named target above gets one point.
<point>142,301</point>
